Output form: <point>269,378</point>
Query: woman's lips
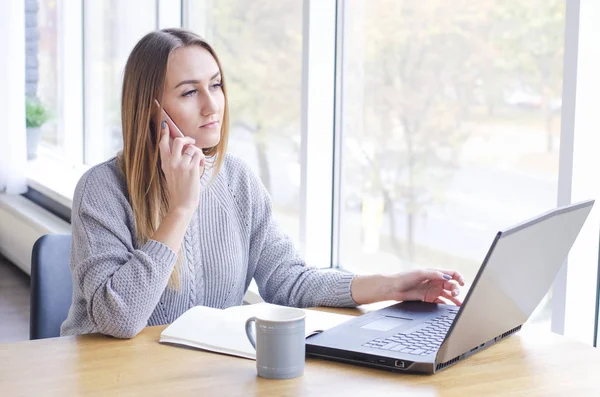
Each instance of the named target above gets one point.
<point>212,124</point>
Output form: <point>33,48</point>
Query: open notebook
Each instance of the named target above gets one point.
<point>222,330</point>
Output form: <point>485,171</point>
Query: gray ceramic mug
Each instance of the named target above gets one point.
<point>279,342</point>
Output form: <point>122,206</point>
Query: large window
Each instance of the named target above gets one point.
<point>450,128</point>
<point>259,43</point>
<point>43,63</point>
<point>391,134</point>
<point>111,30</point>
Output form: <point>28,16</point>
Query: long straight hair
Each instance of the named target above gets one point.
<point>143,81</point>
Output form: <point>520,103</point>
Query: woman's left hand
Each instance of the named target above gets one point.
<point>435,286</point>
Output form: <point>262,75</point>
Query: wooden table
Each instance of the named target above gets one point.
<point>526,364</point>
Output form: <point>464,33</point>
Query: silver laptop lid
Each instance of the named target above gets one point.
<point>516,274</point>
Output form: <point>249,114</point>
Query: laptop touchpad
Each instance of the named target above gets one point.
<point>387,323</point>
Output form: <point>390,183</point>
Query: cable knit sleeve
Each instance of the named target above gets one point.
<point>281,274</point>
<point>120,284</point>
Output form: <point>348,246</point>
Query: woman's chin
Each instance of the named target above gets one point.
<point>207,141</point>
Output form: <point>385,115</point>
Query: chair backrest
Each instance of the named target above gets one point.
<point>51,285</point>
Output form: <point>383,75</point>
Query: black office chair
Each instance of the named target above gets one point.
<point>51,285</point>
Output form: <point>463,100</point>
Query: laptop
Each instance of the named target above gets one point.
<point>420,337</point>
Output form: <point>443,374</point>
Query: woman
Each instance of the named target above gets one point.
<point>173,221</point>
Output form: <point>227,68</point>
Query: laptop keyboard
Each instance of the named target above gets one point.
<point>420,342</point>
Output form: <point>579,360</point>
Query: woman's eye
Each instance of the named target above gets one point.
<point>189,93</point>
<point>217,85</point>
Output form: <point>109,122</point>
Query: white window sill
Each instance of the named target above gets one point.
<point>54,177</point>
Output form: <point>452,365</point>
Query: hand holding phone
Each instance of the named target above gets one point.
<point>182,164</point>
<point>177,141</point>
<point>175,131</point>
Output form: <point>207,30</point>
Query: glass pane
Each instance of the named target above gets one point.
<point>42,73</point>
<point>259,43</point>
<point>111,31</point>
<point>451,115</point>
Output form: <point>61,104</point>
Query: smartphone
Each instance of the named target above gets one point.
<point>175,131</point>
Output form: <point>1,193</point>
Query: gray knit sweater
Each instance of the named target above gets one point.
<point>119,287</point>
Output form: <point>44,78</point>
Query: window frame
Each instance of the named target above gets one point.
<point>321,160</point>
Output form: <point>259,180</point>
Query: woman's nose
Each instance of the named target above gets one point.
<point>209,105</point>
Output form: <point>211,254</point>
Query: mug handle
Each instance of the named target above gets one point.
<point>250,331</point>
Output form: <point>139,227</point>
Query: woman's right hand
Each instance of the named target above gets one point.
<point>183,165</point>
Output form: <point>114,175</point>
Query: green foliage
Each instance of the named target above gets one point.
<point>259,43</point>
<point>418,79</point>
<point>422,74</point>
<point>428,69</point>
<point>36,114</point>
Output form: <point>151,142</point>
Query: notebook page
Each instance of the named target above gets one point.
<point>223,331</point>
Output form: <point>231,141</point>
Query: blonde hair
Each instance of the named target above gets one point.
<point>143,81</point>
